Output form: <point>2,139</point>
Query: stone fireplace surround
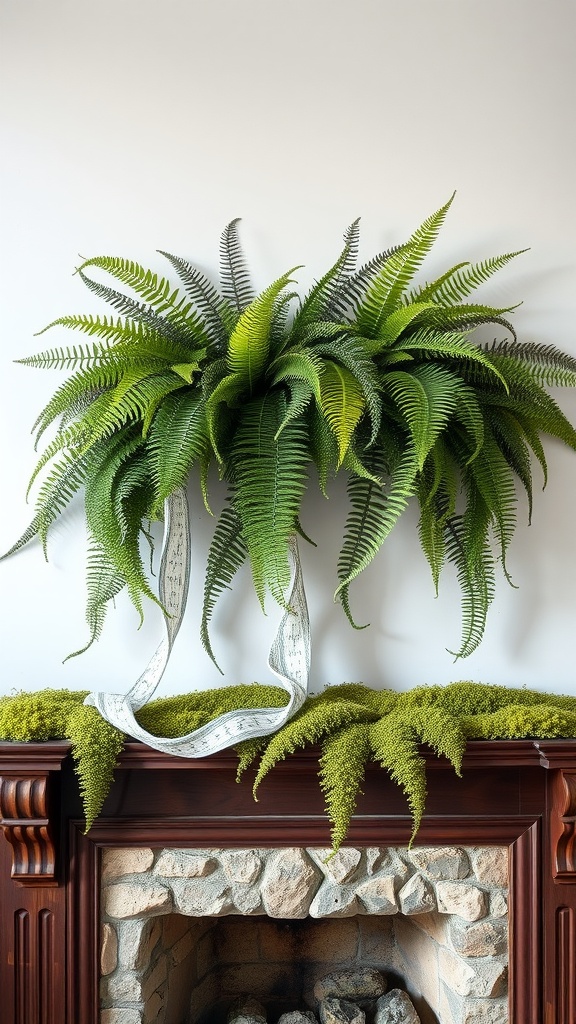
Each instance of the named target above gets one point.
<point>516,794</point>
<point>194,930</point>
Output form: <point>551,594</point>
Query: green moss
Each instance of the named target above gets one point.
<point>352,722</point>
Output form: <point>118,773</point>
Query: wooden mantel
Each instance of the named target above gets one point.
<point>518,793</point>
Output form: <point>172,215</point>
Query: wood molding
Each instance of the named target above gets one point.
<point>25,821</point>
<point>563,826</point>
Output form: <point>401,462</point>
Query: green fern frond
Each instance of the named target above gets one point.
<point>492,476</point>
<point>426,397</point>
<point>227,553</point>
<point>510,438</point>
<point>269,480</point>
<point>547,364</point>
<point>398,322</point>
<point>394,742</point>
<point>384,295</point>
<point>301,395</point>
<point>320,717</point>
<point>177,440</point>
<point>353,356</point>
<point>463,279</point>
<point>119,542</point>
<point>318,303</point>
<point>347,301</point>
<point>342,402</point>
<point>157,292</point>
<point>323,447</point>
<point>55,494</point>
<point>468,549</point>
<point>103,584</point>
<point>297,365</point>
<point>220,319</point>
<point>374,512</point>
<point>234,276</point>
<point>342,766</point>
<point>142,313</point>
<point>249,343</point>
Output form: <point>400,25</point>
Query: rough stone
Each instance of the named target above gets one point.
<point>444,862</point>
<point>120,1016</point>
<point>245,1018</point>
<point>396,1007</point>
<point>289,884</point>
<point>124,987</point>
<point>340,866</point>
<point>248,1007</point>
<point>467,901</point>
<point>184,864</point>
<point>202,897</point>
<point>476,978</point>
<point>126,862</point>
<point>498,904</point>
<point>378,895</point>
<point>340,1011</point>
<point>108,950</point>
<point>485,1011</point>
<point>298,1017</point>
<point>485,938</point>
<point>491,865</point>
<point>375,857</point>
<point>247,901</point>
<point>241,866</point>
<point>131,937</point>
<point>334,901</point>
<point>416,896</point>
<point>125,899</point>
<point>352,983</point>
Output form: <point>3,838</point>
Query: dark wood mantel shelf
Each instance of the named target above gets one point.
<point>517,793</point>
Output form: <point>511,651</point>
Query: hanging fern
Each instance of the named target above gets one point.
<point>372,374</point>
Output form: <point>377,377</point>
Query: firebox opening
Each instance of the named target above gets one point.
<point>186,932</point>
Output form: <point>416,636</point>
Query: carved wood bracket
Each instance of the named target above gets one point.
<point>563,826</point>
<point>24,819</point>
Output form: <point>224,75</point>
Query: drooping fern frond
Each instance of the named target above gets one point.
<point>227,553</point>
<point>269,473</point>
<point>342,402</point>
<point>319,717</point>
<point>373,513</point>
<point>342,766</point>
<point>177,440</point>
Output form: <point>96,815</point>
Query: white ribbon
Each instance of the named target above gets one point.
<point>289,657</point>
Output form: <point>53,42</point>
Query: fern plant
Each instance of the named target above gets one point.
<point>369,374</point>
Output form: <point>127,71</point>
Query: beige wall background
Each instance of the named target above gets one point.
<point>129,126</point>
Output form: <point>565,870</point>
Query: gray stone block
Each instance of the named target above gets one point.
<point>340,1011</point>
<point>396,1007</point>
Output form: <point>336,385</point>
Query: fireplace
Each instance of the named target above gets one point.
<point>520,795</point>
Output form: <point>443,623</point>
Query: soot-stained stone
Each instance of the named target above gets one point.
<point>351,983</point>
<point>340,1011</point>
<point>396,1007</point>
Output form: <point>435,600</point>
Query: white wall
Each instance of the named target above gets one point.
<point>129,126</point>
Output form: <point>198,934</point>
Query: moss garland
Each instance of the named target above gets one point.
<point>353,723</point>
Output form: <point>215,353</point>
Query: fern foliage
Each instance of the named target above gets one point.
<point>373,374</point>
